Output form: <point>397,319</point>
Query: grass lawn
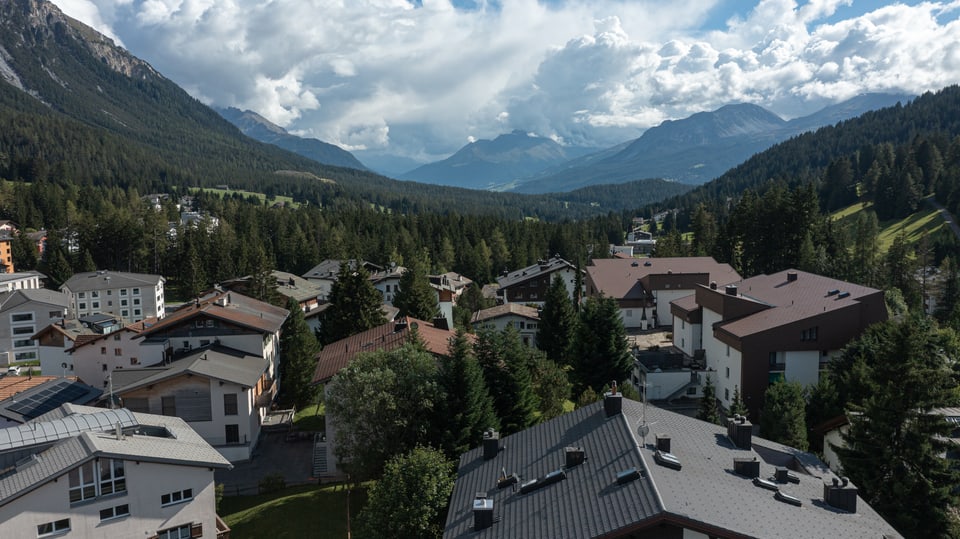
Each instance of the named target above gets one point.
<point>924,220</point>
<point>302,511</point>
<point>311,418</point>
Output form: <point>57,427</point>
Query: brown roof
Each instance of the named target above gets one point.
<point>228,306</point>
<point>11,385</point>
<point>621,278</point>
<point>389,336</point>
<point>518,309</point>
<point>791,301</point>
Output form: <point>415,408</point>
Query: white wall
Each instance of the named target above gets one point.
<point>92,365</point>
<point>663,299</point>
<point>720,358</point>
<point>803,367</point>
<point>686,336</point>
<point>660,385</point>
<point>690,534</point>
<point>528,333</point>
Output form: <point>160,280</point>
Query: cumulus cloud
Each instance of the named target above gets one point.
<point>419,78</point>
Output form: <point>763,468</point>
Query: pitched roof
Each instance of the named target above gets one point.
<point>13,299</point>
<point>389,336</point>
<point>542,267</point>
<point>215,362</point>
<point>50,393</point>
<point>620,278</point>
<point>83,433</point>
<point>99,280</point>
<point>328,269</point>
<point>227,306</point>
<point>806,296</point>
<point>11,385</point>
<point>497,311</point>
<point>704,495</point>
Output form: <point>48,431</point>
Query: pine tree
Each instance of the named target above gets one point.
<point>355,305</point>
<point>708,404</point>
<point>783,418</point>
<point>506,372</point>
<point>601,352</point>
<point>416,297</point>
<point>466,409</point>
<point>737,406</point>
<point>557,323</point>
<point>298,358</point>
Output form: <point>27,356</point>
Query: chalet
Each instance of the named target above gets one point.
<point>325,274</point>
<point>768,328</point>
<point>130,296</point>
<point>619,469</point>
<point>644,288</point>
<point>308,294</point>
<point>529,285</point>
<point>387,282</point>
<point>104,347</point>
<point>92,472</point>
<point>524,318</point>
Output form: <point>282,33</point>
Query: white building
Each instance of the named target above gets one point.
<point>129,296</point>
<point>95,473</point>
<point>524,318</point>
<point>22,313</point>
<point>20,280</point>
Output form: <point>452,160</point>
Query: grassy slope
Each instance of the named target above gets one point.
<point>926,220</point>
<point>303,511</point>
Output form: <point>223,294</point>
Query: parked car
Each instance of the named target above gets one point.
<point>13,370</point>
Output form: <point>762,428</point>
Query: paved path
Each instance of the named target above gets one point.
<point>274,454</point>
<point>946,215</point>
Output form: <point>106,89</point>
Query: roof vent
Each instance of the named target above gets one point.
<point>647,263</point>
<point>763,483</point>
<point>784,475</point>
<point>833,292</point>
<point>491,444</point>
<point>663,442</point>
<point>713,285</point>
<point>740,432</point>
<point>507,480</point>
<point>747,467</point>
<point>842,295</point>
<point>634,264</point>
<point>612,401</point>
<point>840,494</point>
<point>534,484</point>
<point>627,476</point>
<point>731,289</point>
<point>574,456</point>
<point>786,498</point>
<point>667,460</point>
<point>482,512</point>
<point>791,276</point>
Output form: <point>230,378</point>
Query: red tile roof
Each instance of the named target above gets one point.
<point>228,306</point>
<point>11,385</point>
<point>390,336</point>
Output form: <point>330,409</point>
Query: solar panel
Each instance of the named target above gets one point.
<point>49,398</point>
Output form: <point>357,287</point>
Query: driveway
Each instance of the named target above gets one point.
<point>274,454</point>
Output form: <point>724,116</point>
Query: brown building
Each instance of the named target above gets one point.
<point>6,254</point>
<point>769,328</point>
<point>529,285</point>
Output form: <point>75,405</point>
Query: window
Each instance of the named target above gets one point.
<point>53,528</point>
<point>198,324</point>
<point>136,312</point>
<point>23,330</point>
<point>726,394</point>
<point>210,323</point>
<point>104,367</point>
<point>118,351</point>
<point>123,302</point>
<point>168,406</point>
<point>233,434</point>
<point>95,294</point>
<point>809,334</point>
<point>179,496</point>
<point>83,485</point>
<point>82,295</point>
<point>230,404</point>
<point>22,317</point>
<point>25,356</point>
<point>124,313</point>
<point>123,291</point>
<point>55,314</point>
<point>110,304</point>
<point>112,477</point>
<point>114,512</point>
<point>204,342</point>
<point>116,337</point>
<point>728,372</point>
<point>95,305</point>
<point>136,291</point>
<point>691,391</point>
<point>83,306</point>
<point>180,532</point>
<point>728,350</point>
<point>20,343</point>
<point>683,324</point>
<point>103,350</point>
<point>134,361</point>
<point>109,292</point>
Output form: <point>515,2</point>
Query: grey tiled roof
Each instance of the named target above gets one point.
<point>545,267</point>
<point>705,495</point>
<point>216,362</point>
<point>100,280</point>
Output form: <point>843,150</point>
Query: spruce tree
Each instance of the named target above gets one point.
<point>708,404</point>
<point>506,371</point>
<point>737,406</point>
<point>558,321</point>
<point>355,305</point>
<point>783,418</point>
<point>601,352</point>
<point>416,297</point>
<point>465,410</point>
<point>298,358</point>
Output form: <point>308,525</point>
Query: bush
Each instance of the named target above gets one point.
<point>218,494</point>
<point>272,483</point>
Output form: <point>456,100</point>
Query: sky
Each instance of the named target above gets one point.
<point>420,79</point>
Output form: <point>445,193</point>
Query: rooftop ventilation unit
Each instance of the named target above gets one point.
<point>553,477</point>
<point>842,295</point>
<point>833,292</point>
<point>491,444</point>
<point>482,512</point>
<point>507,481</point>
<point>747,467</point>
<point>740,432</point>
<point>763,483</point>
<point>667,460</point>
<point>663,442</point>
<point>647,264</point>
<point>791,276</point>
<point>840,494</point>
<point>627,476</point>
<point>784,475</point>
<point>612,402</point>
<point>731,289</point>
<point>713,285</point>
<point>786,498</point>
<point>574,456</point>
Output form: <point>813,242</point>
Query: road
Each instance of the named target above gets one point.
<point>947,216</point>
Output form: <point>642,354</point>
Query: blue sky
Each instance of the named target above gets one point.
<point>421,80</point>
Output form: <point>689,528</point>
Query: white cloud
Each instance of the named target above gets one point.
<point>418,81</point>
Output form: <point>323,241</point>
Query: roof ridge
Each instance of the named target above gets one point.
<point>646,465</point>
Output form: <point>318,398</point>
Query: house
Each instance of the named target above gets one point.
<point>524,318</point>
<point>644,288</point>
<point>309,294</point>
<point>641,241</point>
<point>6,254</point>
<point>39,238</point>
<point>387,281</point>
<point>222,393</point>
<point>337,355</point>
<point>325,274</point>
<point>103,348</point>
<point>97,473</point>
<point>54,340</point>
<point>22,312</point>
<point>24,398</point>
<point>784,326</point>
<point>8,227</point>
<point>130,296</point>
<point>530,284</point>
<point>448,288</point>
<point>229,319</point>
<point>20,280</point>
<point>620,469</point>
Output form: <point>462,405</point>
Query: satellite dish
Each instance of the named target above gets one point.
<point>643,430</point>
<point>63,365</point>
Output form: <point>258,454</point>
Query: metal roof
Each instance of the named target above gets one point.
<point>102,280</point>
<point>41,432</point>
<point>542,267</point>
<point>216,362</point>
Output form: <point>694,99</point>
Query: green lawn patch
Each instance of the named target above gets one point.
<point>296,512</point>
<point>924,221</point>
<point>310,418</point>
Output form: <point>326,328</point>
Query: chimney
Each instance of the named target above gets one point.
<point>482,512</point>
<point>731,289</point>
<point>612,401</point>
<point>791,276</point>
<point>663,443</point>
<point>783,475</point>
<point>440,322</point>
<point>575,456</point>
<point>713,285</point>
<point>491,444</point>
<point>747,467</point>
<point>840,494</point>
<point>740,432</point>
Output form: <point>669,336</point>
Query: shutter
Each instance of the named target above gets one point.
<point>194,405</point>
<point>196,530</point>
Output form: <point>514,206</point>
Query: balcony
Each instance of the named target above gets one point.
<point>223,531</point>
<point>265,398</point>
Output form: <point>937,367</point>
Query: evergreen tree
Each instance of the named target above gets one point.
<point>298,358</point>
<point>263,285</point>
<point>708,404</point>
<point>601,352</point>
<point>416,297</point>
<point>704,228</point>
<point>466,409</point>
<point>900,268</point>
<point>783,417</point>
<point>558,320</point>
<point>506,371</point>
<point>588,397</point>
<point>24,253</point>
<point>551,386</point>
<point>737,406</point>
<point>893,378</point>
<point>355,305</point>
